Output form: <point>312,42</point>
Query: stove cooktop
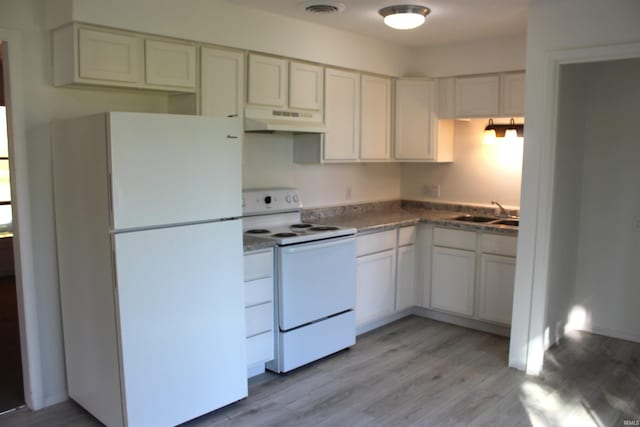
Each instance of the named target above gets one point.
<point>299,232</point>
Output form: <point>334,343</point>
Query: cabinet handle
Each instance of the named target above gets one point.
<point>232,137</point>
<point>232,115</point>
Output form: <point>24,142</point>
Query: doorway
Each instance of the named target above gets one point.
<point>11,381</point>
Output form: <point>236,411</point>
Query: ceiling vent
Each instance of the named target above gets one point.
<point>324,8</point>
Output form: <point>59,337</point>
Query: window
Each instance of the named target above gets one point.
<point>5,183</point>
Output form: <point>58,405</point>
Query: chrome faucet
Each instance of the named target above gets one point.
<point>503,211</point>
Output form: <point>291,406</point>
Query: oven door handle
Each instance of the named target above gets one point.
<point>316,245</point>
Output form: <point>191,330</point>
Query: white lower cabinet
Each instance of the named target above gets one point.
<point>259,313</point>
<point>452,280</point>
<point>406,277</point>
<point>495,288</point>
<point>471,273</point>
<point>375,290</point>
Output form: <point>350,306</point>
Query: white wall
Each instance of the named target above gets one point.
<point>553,25</point>
<point>476,57</point>
<point>479,173</point>
<point>607,268</point>
<point>566,203</point>
<point>268,162</point>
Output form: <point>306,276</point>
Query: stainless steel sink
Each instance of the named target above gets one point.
<point>474,218</point>
<point>511,222</point>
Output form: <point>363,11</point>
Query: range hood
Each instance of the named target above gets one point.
<point>294,121</point>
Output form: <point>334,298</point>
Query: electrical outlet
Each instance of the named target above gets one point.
<point>347,193</point>
<point>636,223</point>
<point>431,190</point>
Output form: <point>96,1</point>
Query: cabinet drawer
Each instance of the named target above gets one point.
<point>259,319</point>
<point>258,266</point>
<point>260,348</point>
<point>258,291</point>
<point>458,239</point>
<point>375,242</point>
<point>406,236</point>
<point>497,244</point>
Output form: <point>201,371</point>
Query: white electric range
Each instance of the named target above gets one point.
<point>315,278</point>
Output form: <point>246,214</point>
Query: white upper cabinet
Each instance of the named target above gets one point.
<point>496,95</point>
<point>512,94</point>
<point>375,118</point>
<point>477,96</point>
<point>109,56</point>
<point>89,55</point>
<point>342,115</point>
<point>268,79</point>
<point>419,135</point>
<point>170,64</point>
<point>221,82</point>
<point>306,85</point>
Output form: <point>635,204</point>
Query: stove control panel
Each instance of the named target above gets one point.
<point>270,200</point>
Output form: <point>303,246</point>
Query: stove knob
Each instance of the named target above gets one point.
<point>267,200</point>
<point>295,198</point>
<point>288,198</point>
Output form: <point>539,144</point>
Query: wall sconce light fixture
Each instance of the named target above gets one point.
<point>507,131</point>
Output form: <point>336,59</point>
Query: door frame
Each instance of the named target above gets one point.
<point>22,230</point>
<point>528,343</point>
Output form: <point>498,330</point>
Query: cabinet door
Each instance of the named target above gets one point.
<point>512,94</point>
<point>375,124</point>
<point>170,64</point>
<point>342,115</point>
<point>452,280</point>
<point>406,292</point>
<point>414,120</point>
<point>495,299</point>
<point>306,83</point>
<point>477,96</point>
<point>221,82</point>
<point>109,56</point>
<point>267,81</point>
<point>375,286</point>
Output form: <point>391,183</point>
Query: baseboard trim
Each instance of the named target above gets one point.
<point>375,324</point>
<point>621,335</point>
<point>504,331</point>
<point>440,317</point>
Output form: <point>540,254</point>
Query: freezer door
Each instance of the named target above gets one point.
<point>181,318</point>
<point>170,169</point>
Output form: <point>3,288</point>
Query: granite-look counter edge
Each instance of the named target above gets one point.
<point>375,217</point>
<point>255,243</point>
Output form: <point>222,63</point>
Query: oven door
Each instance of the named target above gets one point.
<point>315,280</point>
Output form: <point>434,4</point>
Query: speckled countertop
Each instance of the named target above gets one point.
<point>374,217</point>
<point>381,216</point>
<point>255,243</point>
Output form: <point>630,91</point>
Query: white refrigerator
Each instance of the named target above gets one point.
<point>150,264</point>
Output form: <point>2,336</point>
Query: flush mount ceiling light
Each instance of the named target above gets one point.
<point>405,16</point>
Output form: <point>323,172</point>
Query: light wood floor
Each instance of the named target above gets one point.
<point>419,372</point>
